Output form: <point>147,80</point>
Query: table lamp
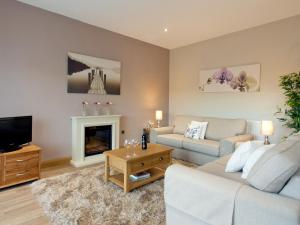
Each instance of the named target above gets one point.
<point>158,117</point>
<point>267,129</point>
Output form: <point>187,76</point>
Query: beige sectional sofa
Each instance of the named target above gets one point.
<point>220,138</point>
<point>209,196</point>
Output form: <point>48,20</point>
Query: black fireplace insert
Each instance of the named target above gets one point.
<point>98,139</point>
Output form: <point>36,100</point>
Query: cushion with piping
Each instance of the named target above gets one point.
<point>254,157</point>
<point>271,172</point>
<point>295,136</point>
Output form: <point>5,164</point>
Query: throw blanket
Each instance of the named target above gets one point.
<point>204,196</point>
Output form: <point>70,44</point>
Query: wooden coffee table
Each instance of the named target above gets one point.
<point>154,160</point>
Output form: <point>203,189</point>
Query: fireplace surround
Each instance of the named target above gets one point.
<point>93,135</point>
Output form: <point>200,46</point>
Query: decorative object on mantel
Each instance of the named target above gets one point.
<point>97,108</point>
<point>84,108</point>
<point>87,74</point>
<point>107,108</point>
<point>290,114</point>
<point>231,79</point>
<point>267,129</point>
<point>158,117</point>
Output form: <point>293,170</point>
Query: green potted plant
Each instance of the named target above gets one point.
<point>290,115</point>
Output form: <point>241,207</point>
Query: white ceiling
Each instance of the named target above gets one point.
<point>188,21</point>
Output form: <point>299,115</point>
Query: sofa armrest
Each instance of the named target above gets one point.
<point>154,132</point>
<point>253,207</point>
<point>200,194</point>
<point>227,145</point>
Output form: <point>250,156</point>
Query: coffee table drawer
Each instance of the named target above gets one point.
<point>161,160</point>
<point>141,165</point>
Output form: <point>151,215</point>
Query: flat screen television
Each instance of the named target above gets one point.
<point>15,132</point>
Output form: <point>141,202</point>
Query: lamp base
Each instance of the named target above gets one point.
<point>267,142</point>
<point>158,123</point>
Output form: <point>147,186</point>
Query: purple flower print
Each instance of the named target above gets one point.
<point>240,82</point>
<point>242,77</point>
<point>223,75</point>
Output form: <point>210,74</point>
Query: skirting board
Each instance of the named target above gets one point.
<point>55,162</point>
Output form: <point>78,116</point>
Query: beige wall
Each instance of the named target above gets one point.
<point>33,74</point>
<point>275,46</point>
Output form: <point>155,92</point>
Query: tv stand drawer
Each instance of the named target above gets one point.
<point>21,162</point>
<point>21,157</point>
<point>21,176</point>
<point>20,166</point>
<point>17,166</point>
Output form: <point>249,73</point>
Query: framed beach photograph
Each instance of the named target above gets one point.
<point>244,78</point>
<point>92,75</point>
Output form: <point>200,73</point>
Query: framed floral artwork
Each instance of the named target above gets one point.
<point>244,78</point>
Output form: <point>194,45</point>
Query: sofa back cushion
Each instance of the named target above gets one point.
<point>181,122</point>
<point>220,128</point>
<point>271,172</point>
<point>217,128</point>
<point>295,136</point>
<point>292,188</point>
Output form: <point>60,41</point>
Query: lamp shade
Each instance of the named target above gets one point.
<point>158,115</point>
<point>267,127</point>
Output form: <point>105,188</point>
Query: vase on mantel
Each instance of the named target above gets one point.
<point>97,108</point>
<point>107,108</point>
<point>84,108</point>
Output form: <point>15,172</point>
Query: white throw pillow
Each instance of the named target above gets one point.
<point>241,155</point>
<point>255,156</point>
<point>201,129</point>
<point>191,131</point>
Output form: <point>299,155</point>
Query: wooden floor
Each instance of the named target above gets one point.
<point>18,206</point>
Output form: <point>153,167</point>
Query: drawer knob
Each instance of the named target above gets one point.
<point>20,160</point>
<point>142,164</point>
<point>161,158</point>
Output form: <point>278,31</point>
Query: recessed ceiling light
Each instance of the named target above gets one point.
<point>166,30</point>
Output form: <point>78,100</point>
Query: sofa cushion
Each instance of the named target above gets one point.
<point>275,167</point>
<point>292,188</point>
<point>254,157</point>
<point>181,122</point>
<point>208,147</point>
<point>173,140</point>
<point>219,128</point>
<point>295,136</point>
<point>217,168</point>
<point>215,129</point>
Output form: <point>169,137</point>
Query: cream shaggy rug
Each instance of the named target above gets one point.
<point>83,198</point>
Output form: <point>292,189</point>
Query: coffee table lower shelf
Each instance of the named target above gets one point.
<point>155,174</point>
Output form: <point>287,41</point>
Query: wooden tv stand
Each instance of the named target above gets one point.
<point>20,166</point>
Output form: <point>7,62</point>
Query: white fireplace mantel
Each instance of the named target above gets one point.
<point>78,137</point>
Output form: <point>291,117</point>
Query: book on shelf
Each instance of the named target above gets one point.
<point>139,176</point>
